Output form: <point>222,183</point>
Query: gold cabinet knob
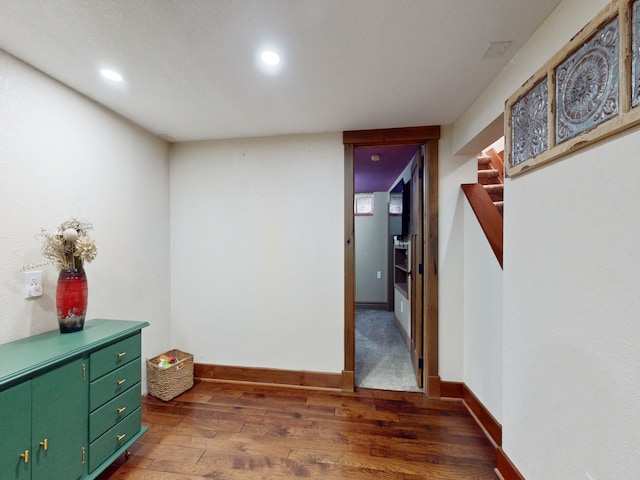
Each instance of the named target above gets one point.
<point>121,410</point>
<point>25,456</point>
<point>45,444</point>
<point>122,354</point>
<point>121,437</point>
<point>120,382</point>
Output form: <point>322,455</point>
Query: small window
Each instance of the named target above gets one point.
<point>395,204</point>
<point>363,204</point>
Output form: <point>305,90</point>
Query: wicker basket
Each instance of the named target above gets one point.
<point>167,383</point>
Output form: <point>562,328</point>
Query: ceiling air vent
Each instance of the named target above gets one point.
<point>496,49</point>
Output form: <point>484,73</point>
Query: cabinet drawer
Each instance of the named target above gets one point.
<point>113,439</point>
<point>109,358</point>
<point>113,412</point>
<point>113,384</point>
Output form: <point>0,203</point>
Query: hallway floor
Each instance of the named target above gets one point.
<point>231,431</point>
<point>382,359</point>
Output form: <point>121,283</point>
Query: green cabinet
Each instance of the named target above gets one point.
<point>114,398</point>
<point>59,422</point>
<point>44,424</point>
<point>59,418</point>
<point>15,432</point>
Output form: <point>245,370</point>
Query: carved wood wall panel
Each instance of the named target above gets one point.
<point>587,85</point>
<point>586,92</point>
<point>529,123</point>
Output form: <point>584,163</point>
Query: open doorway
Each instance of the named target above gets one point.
<point>425,318</point>
<point>382,221</point>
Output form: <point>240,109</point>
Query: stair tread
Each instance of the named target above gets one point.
<point>489,178</point>
<point>483,161</point>
<point>488,181</point>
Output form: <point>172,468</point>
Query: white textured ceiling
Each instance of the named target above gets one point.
<point>191,73</point>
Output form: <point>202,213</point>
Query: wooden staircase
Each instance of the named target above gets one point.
<point>486,198</point>
<point>491,176</point>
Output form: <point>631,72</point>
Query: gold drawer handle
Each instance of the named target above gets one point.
<point>121,437</point>
<point>121,410</point>
<point>45,444</point>
<point>120,355</point>
<point>120,382</point>
<point>25,456</point>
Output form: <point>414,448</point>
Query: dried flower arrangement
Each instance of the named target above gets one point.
<point>70,246</point>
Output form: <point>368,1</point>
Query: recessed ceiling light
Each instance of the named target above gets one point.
<point>111,75</point>
<point>270,58</point>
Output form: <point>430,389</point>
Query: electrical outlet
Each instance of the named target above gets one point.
<point>32,284</point>
<point>378,274</point>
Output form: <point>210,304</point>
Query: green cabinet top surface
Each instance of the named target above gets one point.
<point>23,357</point>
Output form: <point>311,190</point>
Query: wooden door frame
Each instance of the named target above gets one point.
<point>417,257</point>
<point>427,136</point>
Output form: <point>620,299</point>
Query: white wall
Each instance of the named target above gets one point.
<point>65,156</point>
<point>372,251</point>
<point>570,329</point>
<point>470,286</point>
<point>482,316</point>
<point>402,311</point>
<point>564,22</point>
<point>453,171</point>
<point>257,251</point>
<point>571,315</point>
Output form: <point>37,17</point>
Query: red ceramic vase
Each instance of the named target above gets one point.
<point>71,299</point>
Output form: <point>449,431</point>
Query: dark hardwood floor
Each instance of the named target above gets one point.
<point>228,431</point>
